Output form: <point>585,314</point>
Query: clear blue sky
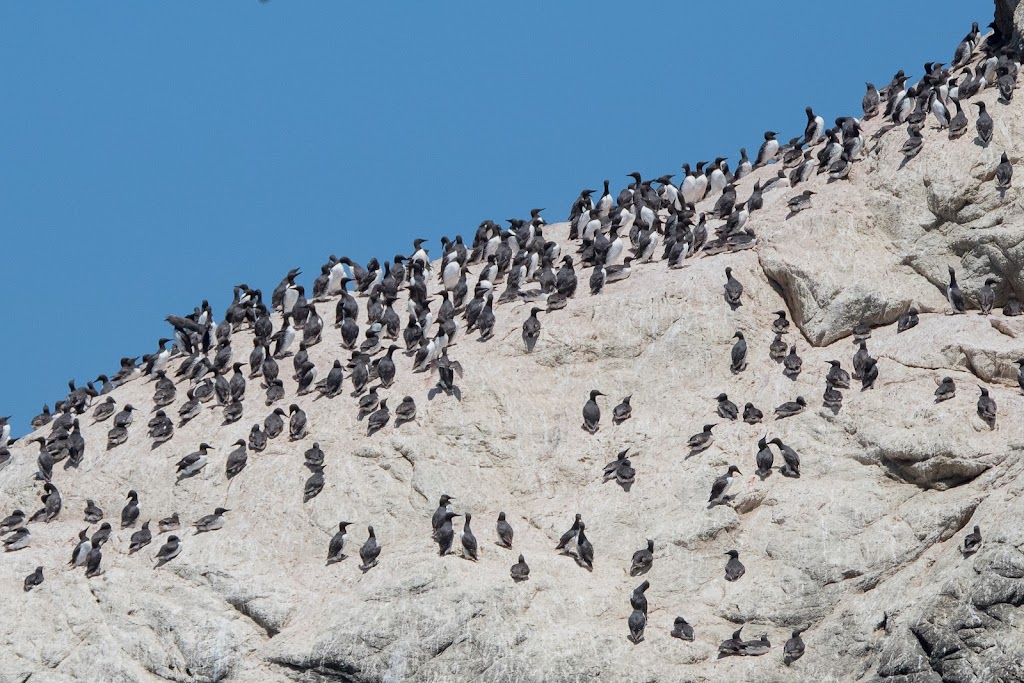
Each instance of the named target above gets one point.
<point>156,153</point>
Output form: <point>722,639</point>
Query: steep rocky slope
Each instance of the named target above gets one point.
<point>863,548</point>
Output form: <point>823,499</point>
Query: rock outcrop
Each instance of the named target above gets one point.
<point>863,549</point>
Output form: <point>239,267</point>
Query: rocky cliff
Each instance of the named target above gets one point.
<point>863,550</point>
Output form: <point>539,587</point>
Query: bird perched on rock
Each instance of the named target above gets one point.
<point>623,411</point>
<point>130,512</point>
<point>643,560</point>
<point>637,624</point>
<point>445,534</point>
<point>765,458</point>
<point>870,374</point>
<point>1004,174</point>
<point>193,463</point>
<point>733,290</point>
<point>792,364</point>
<point>81,550</point>
<point>638,598</point>
<point>470,547</point>
<point>520,570</point>
<point>731,646</point>
<point>734,569</point>
<point>584,550</point>
<point>791,408</point>
<point>860,359</point>
<point>727,408</point>
<point>140,539</point>
<point>702,440</point>
<point>171,523</point>
<point>34,579</point>
<point>720,488</point>
<point>168,551</point>
<point>406,411</point>
<point>681,629</point>
<point>953,293</point>
<point>755,648</point>
<point>832,398</point>
<point>1020,373</point>
<point>801,201</point>
<point>369,552</point>
<point>93,513</point>
<point>790,457</point>
<point>751,414</point>
<point>592,412</point>
<point>93,560</point>
<point>739,354</point>
<point>987,296</point>
<point>336,548</point>
<point>972,542</point>
<point>211,522</point>
<point>987,408</point>
<point>531,329</point>
<point>314,485</point>
<point>794,647</point>
<point>984,124</point>
<point>504,530</point>
<point>781,324</point>
<point>378,418</point>
<point>906,321</point>
<point>18,539</point>
<point>297,423</point>
<point>567,541</point>
<point>443,507</point>
<point>836,376</point>
<point>946,390</point>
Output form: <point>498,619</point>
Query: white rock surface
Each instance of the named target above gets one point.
<point>864,548</point>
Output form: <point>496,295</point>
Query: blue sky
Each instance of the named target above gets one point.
<point>154,154</point>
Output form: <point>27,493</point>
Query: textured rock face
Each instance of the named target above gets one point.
<point>863,548</point>
<point>1010,18</point>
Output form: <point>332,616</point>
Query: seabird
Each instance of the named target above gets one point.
<point>972,542</point>
<point>739,354</point>
<point>701,440</point>
<point>987,408</point>
<point>623,411</point>
<point>236,459</point>
<point>314,484</point>
<point>470,547</point>
<point>584,550</point>
<point>638,599</point>
<point>378,418</point>
<point>12,521</point>
<point>731,646</point>
<point>780,325</point>
<point>101,535</point>
<point>104,410</point>
<point>637,624</point>
<point>721,486</point>
<point>520,570</point>
<point>335,551</point>
<point>297,424</point>
<point>257,439</point>
<point>193,463</point>
<point>769,148</point>
<point>1020,373</point>
<point>794,647</point>
<point>592,412</point>
<point>987,296</point>
<point>734,569</point>
<point>984,125</point>
<point>643,560</point>
<point>531,329</point>
<point>726,408</point>
<point>869,375</point>
<point>791,408</point>
<point>836,376</point>
<point>130,512</point>
<point>504,530</point>
<point>765,458</point>
<point>778,349</point>
<point>17,540</point>
<point>369,552</point>
<point>405,412</point>
<point>832,398</point>
<point>443,508</point>
<point>733,290</point>
<point>92,561</point>
<point>34,579</point>
<point>681,629</point>
<point>140,539</point>
<point>567,541</point>
<point>169,523</point>
<point>1004,174</point>
<point>946,390</point>
<point>754,648</point>
<point>792,364</point>
<point>751,415</point>
<point>801,201</point>
<point>792,460</point>
<point>168,551</point>
<point>860,359</point>
<point>445,535</point>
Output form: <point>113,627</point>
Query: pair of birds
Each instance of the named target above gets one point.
<point>735,646</point>
<point>592,412</point>
<point>369,552</point>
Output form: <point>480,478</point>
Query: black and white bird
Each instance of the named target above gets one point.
<point>702,440</point>
<point>734,569</point>
<point>681,629</point>
<point>984,125</point>
<point>592,413</point>
<point>946,390</point>
<point>972,542</point>
<point>504,531</point>
<point>623,411</point>
<point>336,548</point>
<point>168,551</point>
<point>794,647</point>
<point>987,408</point>
<point>739,354</point>
<point>643,560</point>
<point>520,571</point>
<point>369,552</point>
<point>733,290</point>
<point>727,408</point>
<point>720,488</point>
<point>1004,174</point>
